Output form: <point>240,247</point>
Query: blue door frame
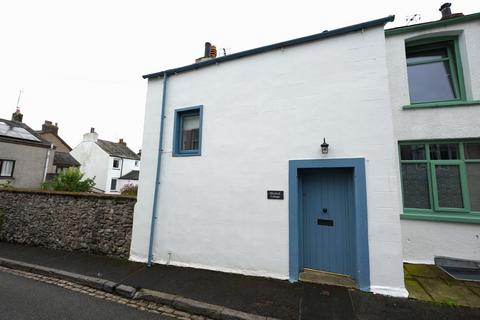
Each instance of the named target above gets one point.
<point>362,274</point>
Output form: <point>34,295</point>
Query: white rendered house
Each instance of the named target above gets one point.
<point>238,176</point>
<point>105,161</point>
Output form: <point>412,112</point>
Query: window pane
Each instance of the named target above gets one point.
<point>472,150</point>
<point>473,175</point>
<point>444,151</point>
<point>412,152</point>
<point>415,186</point>
<point>7,168</point>
<point>190,132</point>
<point>430,82</point>
<point>113,184</point>
<point>448,186</point>
<point>428,55</point>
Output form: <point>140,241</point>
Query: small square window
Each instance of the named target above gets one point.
<point>116,163</point>
<point>6,168</point>
<point>434,71</point>
<point>187,138</point>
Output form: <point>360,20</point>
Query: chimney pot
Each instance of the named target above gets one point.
<point>445,10</point>
<point>213,52</point>
<point>122,142</point>
<point>92,130</point>
<point>208,47</point>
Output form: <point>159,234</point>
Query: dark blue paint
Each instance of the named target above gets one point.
<point>177,134</point>
<point>328,220</point>
<point>360,246</point>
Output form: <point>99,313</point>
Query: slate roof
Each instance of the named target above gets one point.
<point>63,159</point>
<point>132,175</point>
<point>15,124</point>
<point>117,149</point>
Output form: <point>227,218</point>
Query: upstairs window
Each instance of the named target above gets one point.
<point>187,137</point>
<point>434,71</point>
<point>116,163</point>
<point>6,168</point>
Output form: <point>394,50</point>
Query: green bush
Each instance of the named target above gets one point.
<point>129,190</point>
<point>70,179</point>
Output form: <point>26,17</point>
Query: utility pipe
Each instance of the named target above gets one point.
<point>157,178</point>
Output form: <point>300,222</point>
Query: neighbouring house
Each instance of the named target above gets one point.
<point>434,79</point>
<point>105,161</point>
<point>62,158</point>
<point>130,178</point>
<point>347,151</point>
<point>25,157</point>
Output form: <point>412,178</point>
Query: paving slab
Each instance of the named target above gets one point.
<point>423,270</point>
<point>416,291</point>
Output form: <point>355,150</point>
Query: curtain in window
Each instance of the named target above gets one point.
<point>7,168</point>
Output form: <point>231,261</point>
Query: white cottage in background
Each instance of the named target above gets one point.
<point>284,158</point>
<point>106,161</point>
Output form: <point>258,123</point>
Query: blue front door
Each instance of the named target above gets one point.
<point>328,220</point>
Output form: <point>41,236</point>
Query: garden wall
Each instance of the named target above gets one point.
<point>87,222</point>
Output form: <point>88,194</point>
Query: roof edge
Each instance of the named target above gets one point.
<point>431,24</point>
<point>278,45</point>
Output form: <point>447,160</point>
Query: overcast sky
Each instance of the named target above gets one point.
<point>80,62</point>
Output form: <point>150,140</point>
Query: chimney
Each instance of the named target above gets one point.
<point>139,153</point>
<point>209,53</point>
<point>91,136</point>
<point>49,127</point>
<point>17,115</point>
<point>120,141</point>
<point>447,12</point>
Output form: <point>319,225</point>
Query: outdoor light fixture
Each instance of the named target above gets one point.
<point>324,146</point>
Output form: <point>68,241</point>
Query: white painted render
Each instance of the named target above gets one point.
<point>260,112</point>
<point>121,183</point>
<point>423,240</point>
<point>96,162</point>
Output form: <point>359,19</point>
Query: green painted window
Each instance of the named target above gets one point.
<point>434,70</point>
<point>441,180</point>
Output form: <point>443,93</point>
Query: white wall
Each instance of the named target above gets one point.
<point>423,240</point>
<point>94,163</point>
<point>259,113</point>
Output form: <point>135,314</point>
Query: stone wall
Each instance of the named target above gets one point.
<point>93,223</point>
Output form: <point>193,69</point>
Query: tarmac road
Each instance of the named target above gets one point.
<point>22,298</point>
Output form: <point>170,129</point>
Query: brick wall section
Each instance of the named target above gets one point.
<point>93,223</point>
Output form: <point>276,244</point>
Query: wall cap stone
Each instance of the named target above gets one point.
<point>67,193</point>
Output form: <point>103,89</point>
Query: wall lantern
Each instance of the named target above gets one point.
<point>324,146</point>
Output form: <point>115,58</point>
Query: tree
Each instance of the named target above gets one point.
<point>70,179</point>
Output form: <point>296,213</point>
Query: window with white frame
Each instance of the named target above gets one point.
<point>6,168</point>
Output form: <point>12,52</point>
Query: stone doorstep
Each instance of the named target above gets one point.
<point>177,302</point>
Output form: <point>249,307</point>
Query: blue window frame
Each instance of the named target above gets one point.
<point>187,135</point>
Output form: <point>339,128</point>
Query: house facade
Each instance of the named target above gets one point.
<point>106,161</point>
<point>62,158</point>
<point>25,157</point>
<point>292,161</point>
<point>434,76</point>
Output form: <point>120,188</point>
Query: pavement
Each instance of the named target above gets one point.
<point>429,283</point>
<point>26,299</point>
<point>252,295</point>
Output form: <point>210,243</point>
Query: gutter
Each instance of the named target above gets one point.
<point>157,176</point>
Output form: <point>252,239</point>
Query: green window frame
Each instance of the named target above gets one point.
<point>434,209</point>
<point>453,60</point>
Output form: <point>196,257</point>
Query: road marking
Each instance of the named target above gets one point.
<point>151,307</point>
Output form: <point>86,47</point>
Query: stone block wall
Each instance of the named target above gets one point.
<point>87,222</point>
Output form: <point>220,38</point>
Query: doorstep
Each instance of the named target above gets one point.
<point>328,278</point>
